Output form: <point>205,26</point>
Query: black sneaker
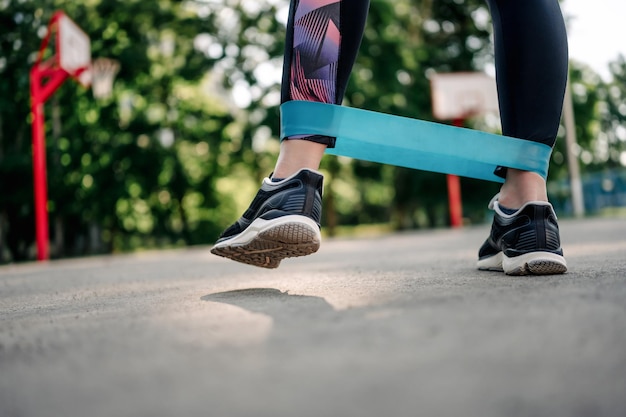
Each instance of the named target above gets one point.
<point>526,242</point>
<point>283,221</point>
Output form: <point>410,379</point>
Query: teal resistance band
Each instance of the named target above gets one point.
<point>402,141</point>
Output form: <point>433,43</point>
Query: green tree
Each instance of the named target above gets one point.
<point>610,143</point>
<point>19,39</point>
<point>176,152</point>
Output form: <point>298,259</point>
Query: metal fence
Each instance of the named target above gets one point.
<point>601,190</point>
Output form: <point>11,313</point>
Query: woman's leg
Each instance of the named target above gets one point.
<point>531,70</point>
<point>283,220</point>
<point>323,38</point>
<point>531,66</point>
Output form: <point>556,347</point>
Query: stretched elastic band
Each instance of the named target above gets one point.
<point>412,143</point>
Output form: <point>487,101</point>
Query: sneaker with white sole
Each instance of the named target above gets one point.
<point>526,242</point>
<point>283,221</point>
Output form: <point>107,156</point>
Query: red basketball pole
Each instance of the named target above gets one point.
<point>40,92</point>
<point>39,168</point>
<point>454,193</point>
<point>45,78</point>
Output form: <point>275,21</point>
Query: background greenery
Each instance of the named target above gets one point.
<point>178,150</point>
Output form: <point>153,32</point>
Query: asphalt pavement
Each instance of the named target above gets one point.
<point>394,325</point>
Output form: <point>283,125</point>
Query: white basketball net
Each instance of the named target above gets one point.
<point>103,71</point>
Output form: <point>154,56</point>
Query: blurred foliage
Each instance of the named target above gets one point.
<point>609,142</point>
<point>137,169</point>
<point>404,42</point>
<point>177,151</point>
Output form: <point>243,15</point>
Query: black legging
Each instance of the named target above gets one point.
<point>323,38</point>
<point>531,67</point>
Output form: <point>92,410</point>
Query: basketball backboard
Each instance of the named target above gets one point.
<point>73,49</point>
<point>463,94</point>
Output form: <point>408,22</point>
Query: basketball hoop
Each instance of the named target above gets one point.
<point>103,72</point>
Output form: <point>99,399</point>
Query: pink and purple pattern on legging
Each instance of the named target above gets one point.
<point>315,50</point>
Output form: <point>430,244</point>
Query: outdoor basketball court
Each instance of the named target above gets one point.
<point>390,325</point>
<point>66,53</point>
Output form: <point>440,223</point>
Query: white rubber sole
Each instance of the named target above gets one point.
<point>533,263</point>
<point>267,242</point>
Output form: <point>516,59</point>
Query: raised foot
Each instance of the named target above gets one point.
<point>270,246</point>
